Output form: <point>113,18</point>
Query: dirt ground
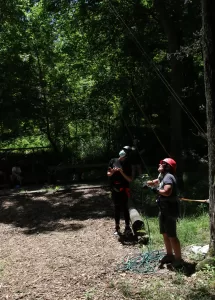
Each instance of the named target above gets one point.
<point>60,245</point>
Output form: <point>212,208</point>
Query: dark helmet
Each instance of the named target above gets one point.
<point>127,149</point>
<point>171,162</point>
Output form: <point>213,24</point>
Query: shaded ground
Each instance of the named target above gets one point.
<point>59,245</point>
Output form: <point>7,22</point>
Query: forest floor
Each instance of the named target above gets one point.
<point>60,245</point>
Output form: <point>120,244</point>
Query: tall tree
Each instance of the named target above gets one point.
<point>170,16</point>
<point>208,20</point>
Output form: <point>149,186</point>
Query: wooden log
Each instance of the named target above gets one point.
<point>138,226</point>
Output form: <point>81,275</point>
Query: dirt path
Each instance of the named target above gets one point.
<point>60,246</point>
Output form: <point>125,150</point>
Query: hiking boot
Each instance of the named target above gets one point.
<point>167,259</point>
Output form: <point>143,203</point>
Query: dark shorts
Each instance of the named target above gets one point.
<point>119,198</point>
<point>167,225</point>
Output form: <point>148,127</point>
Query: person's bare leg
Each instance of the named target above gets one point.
<point>167,244</point>
<point>176,246</point>
<point>168,257</point>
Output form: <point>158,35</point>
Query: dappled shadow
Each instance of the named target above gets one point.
<point>44,188</point>
<point>189,268</point>
<point>52,226</point>
<point>44,212</point>
<point>186,268</point>
<point>131,240</point>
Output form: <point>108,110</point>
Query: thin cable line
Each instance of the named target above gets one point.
<point>147,119</point>
<point>131,135</point>
<point>157,71</point>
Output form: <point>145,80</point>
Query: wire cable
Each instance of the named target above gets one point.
<point>129,132</point>
<point>147,119</point>
<point>160,75</point>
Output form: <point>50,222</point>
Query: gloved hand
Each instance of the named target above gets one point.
<point>154,190</point>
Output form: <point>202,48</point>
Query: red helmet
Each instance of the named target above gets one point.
<point>170,162</point>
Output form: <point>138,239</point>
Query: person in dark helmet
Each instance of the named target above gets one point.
<point>134,158</point>
<point>166,188</point>
<point>120,175</point>
<point>127,149</point>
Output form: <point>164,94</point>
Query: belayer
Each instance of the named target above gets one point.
<point>120,175</point>
<point>165,186</point>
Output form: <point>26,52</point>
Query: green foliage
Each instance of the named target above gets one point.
<point>190,231</point>
<point>147,3</point>
<point>26,142</point>
<point>69,70</point>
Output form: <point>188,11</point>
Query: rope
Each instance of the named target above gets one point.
<point>144,263</point>
<point>147,119</point>
<point>129,131</point>
<point>166,83</point>
<point>193,200</point>
<point>160,75</point>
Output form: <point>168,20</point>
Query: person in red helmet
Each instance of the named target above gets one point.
<point>166,188</point>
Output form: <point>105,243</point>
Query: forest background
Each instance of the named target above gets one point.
<point>88,77</point>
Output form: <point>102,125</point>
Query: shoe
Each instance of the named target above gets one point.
<point>178,263</point>
<point>117,230</point>
<point>167,259</point>
<point>127,231</point>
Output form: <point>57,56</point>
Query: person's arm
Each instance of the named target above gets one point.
<point>127,177</point>
<point>166,190</point>
<point>110,172</point>
<point>153,182</point>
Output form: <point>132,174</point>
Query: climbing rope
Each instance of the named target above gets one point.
<point>145,263</point>
<point>148,261</point>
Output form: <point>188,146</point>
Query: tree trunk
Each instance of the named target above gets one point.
<point>45,109</point>
<point>208,22</point>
